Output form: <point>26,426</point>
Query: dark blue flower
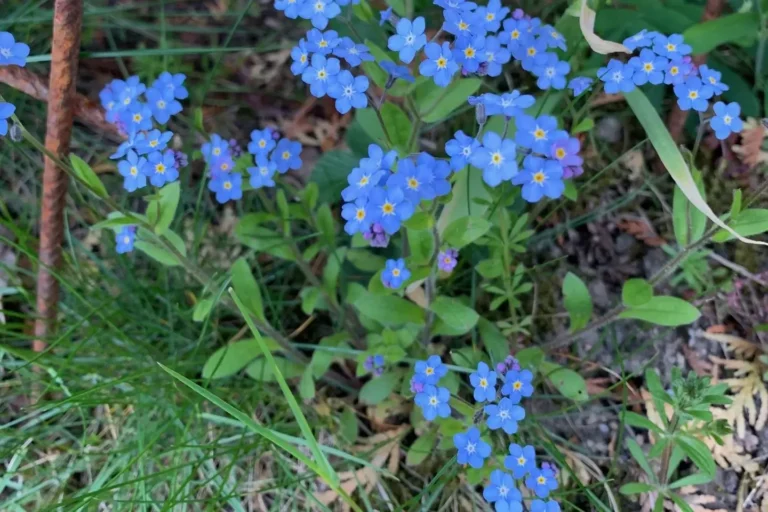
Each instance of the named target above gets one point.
<point>492,15</point>
<point>551,72</point>
<point>529,50</point>
<point>357,216</point>
<point>154,140</point>
<point>505,415</point>
<point>726,119</point>
<point>289,7</point>
<point>11,52</point>
<point>536,133</point>
<point>434,402</point>
<point>501,488</point>
<point>617,77</point>
<point>321,74</point>
<point>322,42</point>
<point>472,449</point>
<point>642,39</point>
<point>484,382</point>
<point>439,64</point>
<point>496,157</point>
<point>649,67</point>
<point>130,170</point>
<point>521,460</point>
<point>300,56</point>
<point>580,84</point>
<point>545,506</point>
<point>125,238</point>
<point>469,52</point>
<point>215,148</point>
<point>541,482</point>
<point>395,273</point>
<point>677,71</point>
<point>671,47</point>
<point>348,91</point>
<point>6,111</point>
<point>409,38</point>
<point>396,71</point>
<point>460,149</point>
<point>517,384</point>
<point>693,94</point>
<point>431,370</point>
<point>287,155</point>
<point>712,77</point>
<point>319,12</point>
<point>391,208</point>
<point>263,175</point>
<point>160,168</point>
<point>174,83</point>
<point>262,142</point>
<point>227,186</point>
<point>353,53</point>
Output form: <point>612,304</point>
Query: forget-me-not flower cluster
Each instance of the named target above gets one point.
<point>12,53</point>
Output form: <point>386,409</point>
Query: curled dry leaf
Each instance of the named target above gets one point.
<point>698,501</point>
<point>641,229</point>
<point>750,150</point>
<point>598,44</point>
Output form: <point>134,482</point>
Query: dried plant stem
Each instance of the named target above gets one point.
<point>67,19</point>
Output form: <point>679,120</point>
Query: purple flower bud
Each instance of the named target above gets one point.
<point>276,135</point>
<point>518,14</point>
<point>417,386</point>
<point>377,372</point>
<point>447,260</point>
<point>235,148</point>
<point>501,368</point>
<point>572,172</point>
<point>181,159</point>
<point>377,236</point>
<point>368,363</point>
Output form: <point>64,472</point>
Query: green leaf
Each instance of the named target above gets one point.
<point>348,424</point>
<point>636,488</point>
<point>247,288</point>
<point>422,246</point>
<point>694,479</point>
<point>577,301</point>
<point>420,221</point>
<point>389,310</point>
<point>698,452</point>
<point>262,239</point>
<point>371,125</point>
<point>736,203</point>
<point>680,502</point>
<point>85,174</point>
<point>455,314</point>
<point>466,230</point>
<point>398,125</point>
<point>262,370</point>
<point>379,388</point>
<point>753,221</point>
<point>530,357</point>
<point>670,156</point>
<point>663,310</point>
<point>704,37</point>
<point>330,173</point>
<point>421,448</point>
<point>307,384</point>
<point>365,260</point>
<point>495,342</point>
<point>157,253</point>
<point>326,225</point>
<point>585,125</point>
<point>440,102</point>
<point>161,211</point>
<point>636,292</point>
<point>202,309</point>
<point>230,359</point>
<point>568,382</point>
<point>639,456</point>
<point>571,192</point>
<point>333,269</point>
<point>688,222</point>
<point>310,297</point>
<point>115,220</point>
<point>636,420</point>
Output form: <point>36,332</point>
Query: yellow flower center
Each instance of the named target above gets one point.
<point>539,134</point>
<point>554,35</point>
<point>441,62</point>
<point>496,158</point>
<point>388,208</point>
<point>161,104</point>
<point>469,52</point>
<point>531,51</point>
<point>262,143</point>
<point>396,272</point>
<point>433,400</point>
<point>446,260</point>
<point>671,47</point>
<point>216,151</point>
<point>560,153</point>
<point>674,70</point>
<point>134,171</point>
<point>224,166</point>
<point>515,34</point>
<point>429,371</point>
<point>126,239</point>
<point>483,383</point>
<point>110,105</point>
<point>127,101</point>
<point>490,16</point>
<point>648,67</point>
<point>286,155</point>
<point>517,385</point>
<point>463,25</point>
<point>303,58</point>
<point>153,143</point>
<point>413,183</point>
<point>539,178</point>
<point>360,214</point>
<point>727,119</point>
<point>323,43</point>
<point>137,118</point>
<point>712,80</point>
<point>541,480</point>
<point>322,74</point>
<point>693,94</point>
<point>521,461</point>
<point>160,168</point>
<point>227,185</point>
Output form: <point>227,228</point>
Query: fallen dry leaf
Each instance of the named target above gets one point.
<point>641,229</point>
<point>750,150</point>
<point>598,44</point>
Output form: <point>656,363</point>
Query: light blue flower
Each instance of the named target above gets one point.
<point>712,78</point>
<point>300,56</point>
<point>551,71</point>
<point>496,56</point>
<point>501,487</point>
<point>396,72</point>
<point>362,181</point>
<point>319,12</point>
<point>377,159</point>
<point>552,37</point>
<point>349,91</point>
<point>536,133</point>
<point>469,52</point>
<point>456,5</point>
<point>357,216</point>
<point>124,239</point>
<point>484,382</point>
<point>130,170</point>
<point>677,71</point>
<point>529,50</point>
<point>263,175</point>
<point>514,33</point>
<point>391,208</point>
<point>541,482</point>
<point>290,8</point>
<point>11,52</point>
<point>160,168</point>
<point>642,39</point>
<point>492,15</point>
<point>353,53</point>
<point>463,22</point>
<point>509,104</point>
<point>460,149</point>
<point>223,164</point>
<point>431,370</point>
<point>505,415</point>
<point>322,42</point>
<point>440,171</point>
<point>395,273</point>
<point>409,39</point>
<point>471,449</point>
<point>617,77</point>
<point>136,117</point>
<point>517,384</point>
<point>215,148</point>
<point>174,83</point>
<point>287,155</point>
<point>693,94</point>
<point>384,16</point>
<point>540,178</point>
<point>496,157</point>
<point>521,460</point>
<point>154,140</point>
<point>6,111</point>
<point>434,402</point>
<point>262,142</point>
<point>672,47</point>
<point>580,84</point>
<point>128,91</point>
<point>320,74</point>
<point>649,67</point>
<point>545,506</point>
<point>227,186</point>
<point>726,119</point>
<point>413,180</point>
<point>439,64</point>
